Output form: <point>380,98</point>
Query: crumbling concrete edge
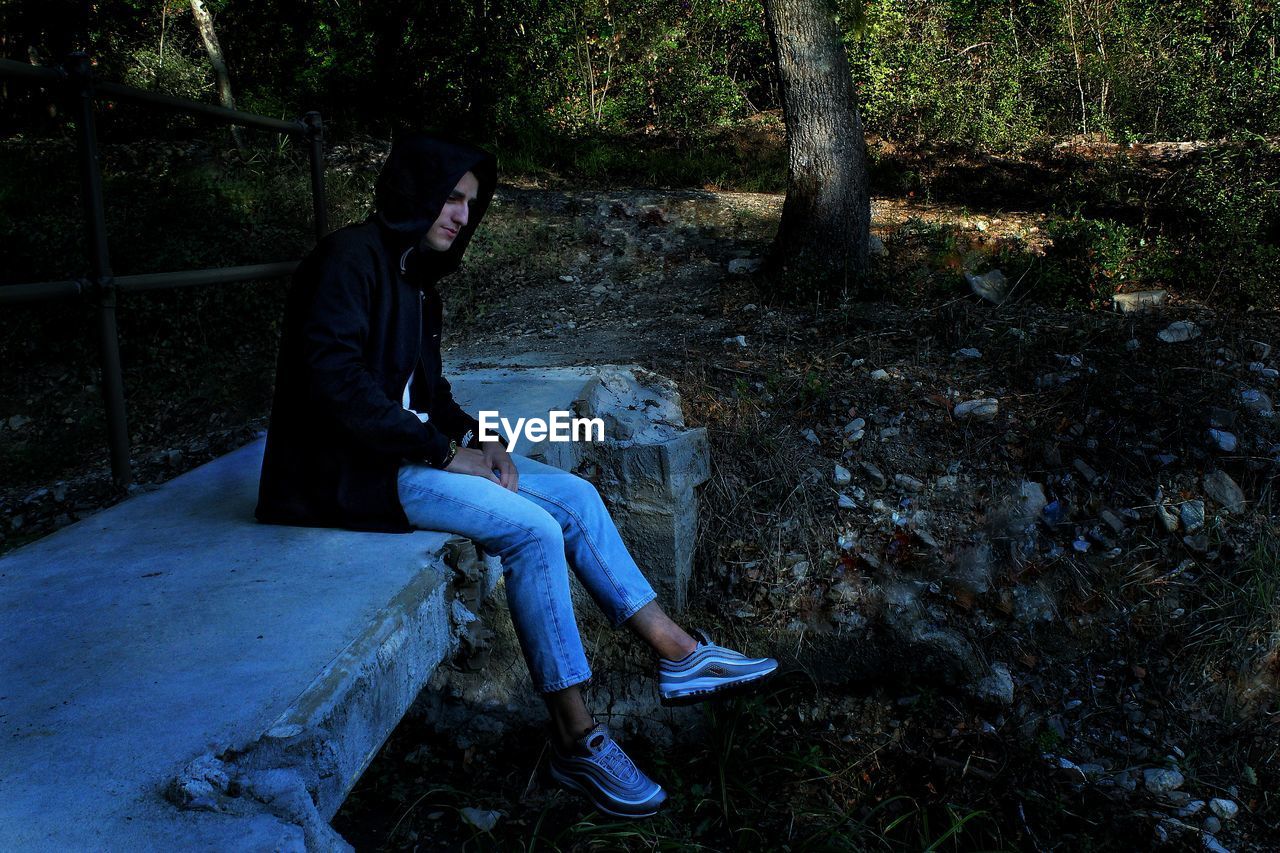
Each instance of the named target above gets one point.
<point>304,765</point>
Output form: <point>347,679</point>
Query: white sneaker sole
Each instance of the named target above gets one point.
<point>701,689</point>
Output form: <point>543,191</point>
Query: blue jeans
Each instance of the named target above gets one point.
<point>556,521</point>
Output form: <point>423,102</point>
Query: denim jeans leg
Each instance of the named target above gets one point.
<point>531,545</point>
<point>596,551</point>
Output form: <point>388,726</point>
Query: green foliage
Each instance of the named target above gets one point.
<point>1090,259</point>
<point>1229,200</point>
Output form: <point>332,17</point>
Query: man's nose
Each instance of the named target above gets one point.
<point>461,214</point>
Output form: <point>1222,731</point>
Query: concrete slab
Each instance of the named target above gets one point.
<point>169,627</point>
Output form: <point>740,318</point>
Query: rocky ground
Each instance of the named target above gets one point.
<point>1021,562</point>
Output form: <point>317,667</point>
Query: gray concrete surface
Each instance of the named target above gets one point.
<point>168,628</point>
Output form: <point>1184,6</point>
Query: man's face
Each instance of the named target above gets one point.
<point>454,216</point>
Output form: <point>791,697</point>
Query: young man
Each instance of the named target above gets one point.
<point>365,434</point>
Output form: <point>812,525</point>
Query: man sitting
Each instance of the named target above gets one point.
<point>365,434</point>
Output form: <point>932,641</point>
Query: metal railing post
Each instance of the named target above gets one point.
<point>101,282</point>
<point>315,135</point>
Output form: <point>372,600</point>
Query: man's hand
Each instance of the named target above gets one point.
<point>496,456</point>
<point>469,461</point>
<point>482,463</point>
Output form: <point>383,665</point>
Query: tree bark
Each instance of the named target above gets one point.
<point>820,250</point>
<point>204,23</point>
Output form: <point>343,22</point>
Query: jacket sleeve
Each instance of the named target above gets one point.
<point>450,417</point>
<point>335,328</point>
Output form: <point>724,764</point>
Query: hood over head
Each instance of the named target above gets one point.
<point>412,189</point>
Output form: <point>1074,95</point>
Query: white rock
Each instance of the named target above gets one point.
<point>1257,402</point>
<point>1223,440</point>
<point>1192,513</point>
<point>997,685</point>
<point>567,279</point>
<point>1208,842</point>
<point>744,266</point>
<point>1176,333</point>
<point>1142,300</point>
<point>880,375</point>
<point>908,483</point>
<point>810,436</point>
<point>1225,809</point>
<point>1219,486</point>
<point>1159,780</point>
<point>482,819</point>
<point>842,477</point>
<point>846,502</point>
<point>984,409</point>
<point>991,286</point>
<point>968,352</point>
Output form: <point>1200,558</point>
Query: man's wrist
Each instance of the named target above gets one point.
<point>453,451</point>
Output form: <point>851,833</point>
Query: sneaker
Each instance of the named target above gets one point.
<point>709,671</point>
<point>598,768</point>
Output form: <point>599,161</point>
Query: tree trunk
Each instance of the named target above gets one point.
<point>820,251</point>
<point>204,23</point>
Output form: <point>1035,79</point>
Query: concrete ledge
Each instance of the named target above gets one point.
<point>174,675</point>
<point>165,650</point>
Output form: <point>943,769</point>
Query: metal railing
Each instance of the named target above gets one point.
<point>74,79</point>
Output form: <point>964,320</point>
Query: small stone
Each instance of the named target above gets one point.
<point>855,426</point>
<point>1207,841</point>
<point>1192,513</point>
<point>1133,345</point>
<point>984,409</point>
<point>744,266</point>
<point>842,477</point>
<point>1261,350</point>
<point>1223,808</point>
<point>1177,798</point>
<point>482,819</point>
<point>876,475</point>
<point>991,286</point>
<point>927,538</point>
<point>1112,520</point>
<point>1176,333</point>
<point>1160,780</point>
<point>947,483</point>
<point>876,247</point>
<point>810,436</point>
<point>568,279</point>
<point>1138,301</point>
<point>1219,486</point>
<point>997,686</point>
<point>1223,440</point>
<point>740,340</point>
<point>1069,770</point>
<point>1090,476</point>
<point>879,375</point>
<point>1257,402</point>
<point>968,353</point>
<point>908,483</point>
<point>1191,809</point>
<point>846,502</point>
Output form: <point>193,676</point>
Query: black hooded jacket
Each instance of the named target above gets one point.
<point>357,324</point>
